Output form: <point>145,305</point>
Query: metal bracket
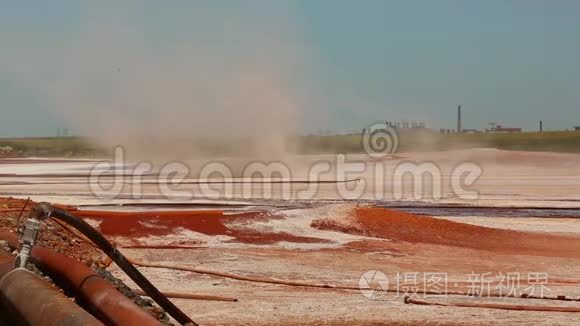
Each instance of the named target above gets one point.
<point>27,241</point>
<point>30,232</point>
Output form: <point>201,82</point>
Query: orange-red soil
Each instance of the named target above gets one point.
<point>401,226</point>
<point>211,222</point>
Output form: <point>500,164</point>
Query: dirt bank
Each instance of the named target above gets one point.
<point>400,226</point>
<point>52,235</point>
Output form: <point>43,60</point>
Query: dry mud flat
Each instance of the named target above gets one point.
<point>276,262</point>
<point>307,270</point>
<point>304,266</point>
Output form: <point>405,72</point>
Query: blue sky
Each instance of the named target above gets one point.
<point>350,62</point>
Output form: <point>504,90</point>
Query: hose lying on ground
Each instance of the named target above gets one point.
<point>305,284</point>
<point>409,300</point>
<point>194,182</point>
<point>180,295</point>
<point>328,286</point>
<point>245,278</point>
<point>127,266</point>
<point>160,247</point>
<point>45,210</point>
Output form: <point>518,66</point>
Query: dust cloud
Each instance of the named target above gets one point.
<point>203,83</point>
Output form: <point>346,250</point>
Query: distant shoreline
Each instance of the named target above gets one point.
<point>409,141</point>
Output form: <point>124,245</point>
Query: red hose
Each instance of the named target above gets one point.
<point>146,214</point>
<point>320,285</point>
<point>409,300</point>
<point>244,278</point>
<point>180,295</point>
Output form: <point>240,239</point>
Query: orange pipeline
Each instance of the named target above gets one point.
<point>23,292</point>
<point>37,302</point>
<point>101,297</point>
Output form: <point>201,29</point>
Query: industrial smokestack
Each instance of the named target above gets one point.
<point>459,119</point>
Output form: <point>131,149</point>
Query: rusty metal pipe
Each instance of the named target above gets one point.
<point>7,262</point>
<point>37,302</point>
<point>45,210</point>
<point>99,296</point>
